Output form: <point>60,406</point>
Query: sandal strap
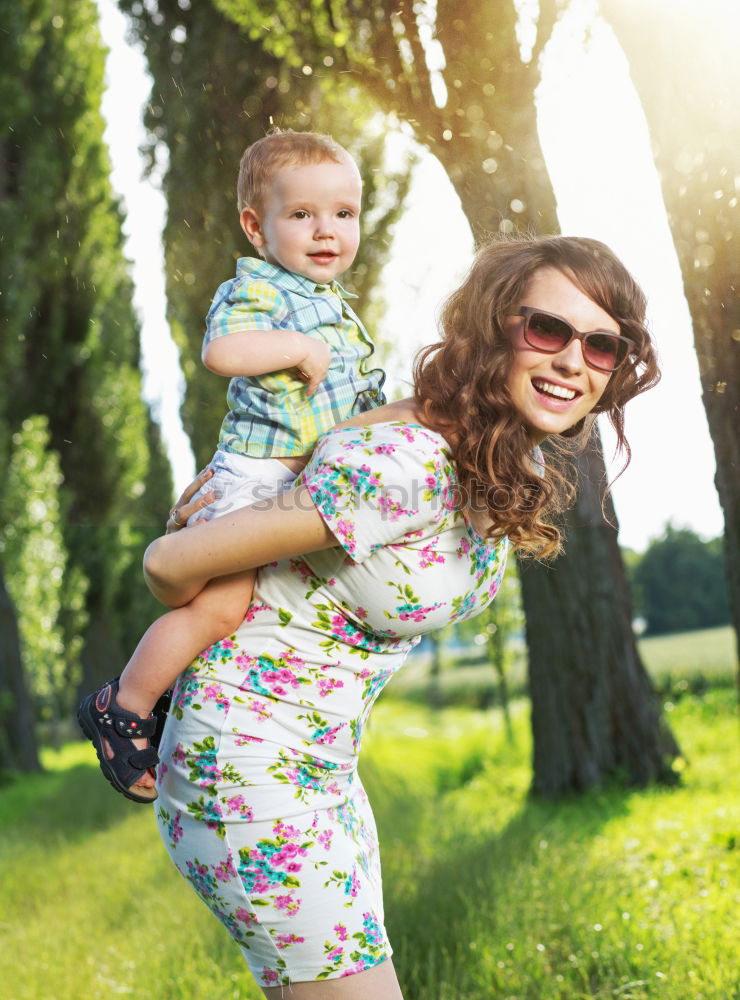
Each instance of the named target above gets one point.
<point>131,728</point>
<point>143,759</point>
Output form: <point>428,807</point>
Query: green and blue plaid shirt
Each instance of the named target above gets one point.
<point>270,416</point>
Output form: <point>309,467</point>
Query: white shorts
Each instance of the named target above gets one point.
<point>240,481</point>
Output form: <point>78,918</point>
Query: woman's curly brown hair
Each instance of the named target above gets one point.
<point>461,382</point>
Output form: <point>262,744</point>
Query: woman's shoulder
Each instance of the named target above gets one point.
<point>402,440</point>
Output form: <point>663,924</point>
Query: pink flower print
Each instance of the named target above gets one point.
<point>214,692</point>
<point>289,832</point>
<point>384,449</point>
<point>254,610</point>
<point>225,870</point>
<point>336,952</point>
<point>431,481</point>
<point>238,804</point>
<point>285,940</point>
<point>245,662</point>
<point>161,771</point>
<point>246,916</point>
<point>292,867</point>
<point>178,754</point>
<point>330,735</point>
<point>341,932</point>
<point>324,838</point>
<point>269,976</point>
<point>345,529</point>
<point>260,709</point>
<point>427,557</point>
<point>463,548</point>
<point>242,739</point>
<point>328,684</point>
<point>288,904</point>
<point>406,431</point>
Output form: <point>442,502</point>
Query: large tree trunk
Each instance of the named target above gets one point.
<point>17,737</point>
<point>595,716</point>
<point>688,78</point>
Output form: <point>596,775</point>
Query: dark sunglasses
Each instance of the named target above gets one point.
<point>550,334</point>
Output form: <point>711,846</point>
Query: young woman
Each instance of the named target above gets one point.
<point>395,528</point>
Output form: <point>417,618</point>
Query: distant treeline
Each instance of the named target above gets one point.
<point>679,582</point>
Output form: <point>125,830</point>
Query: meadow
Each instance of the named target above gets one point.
<point>617,894</point>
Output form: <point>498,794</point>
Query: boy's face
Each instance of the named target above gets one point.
<point>309,222</point>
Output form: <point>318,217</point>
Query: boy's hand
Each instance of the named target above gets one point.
<point>312,368</point>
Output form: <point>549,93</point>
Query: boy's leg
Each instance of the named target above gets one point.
<point>175,639</point>
<point>172,642</point>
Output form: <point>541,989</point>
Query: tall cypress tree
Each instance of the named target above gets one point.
<point>68,335</point>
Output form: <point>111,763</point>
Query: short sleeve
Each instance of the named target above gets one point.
<point>245,304</point>
<point>376,486</point>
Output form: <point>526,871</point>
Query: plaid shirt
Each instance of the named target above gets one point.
<point>270,416</point>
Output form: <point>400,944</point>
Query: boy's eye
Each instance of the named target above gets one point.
<point>345,213</point>
<point>300,214</point>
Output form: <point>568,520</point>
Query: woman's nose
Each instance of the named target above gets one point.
<point>570,358</point>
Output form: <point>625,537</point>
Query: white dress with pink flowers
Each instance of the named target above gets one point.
<point>260,804</point>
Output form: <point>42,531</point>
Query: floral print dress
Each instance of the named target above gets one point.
<point>260,802</point>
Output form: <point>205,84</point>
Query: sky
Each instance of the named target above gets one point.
<point>596,146</point>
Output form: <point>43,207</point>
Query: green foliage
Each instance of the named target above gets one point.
<point>68,335</point>
<point>487,894</point>
<point>35,561</point>
<point>679,583</point>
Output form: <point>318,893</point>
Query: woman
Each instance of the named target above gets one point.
<point>395,528</point>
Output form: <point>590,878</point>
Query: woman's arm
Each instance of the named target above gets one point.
<point>177,566</point>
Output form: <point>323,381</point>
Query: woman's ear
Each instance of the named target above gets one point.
<point>252,227</point>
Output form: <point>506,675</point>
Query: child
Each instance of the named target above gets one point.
<point>296,355</point>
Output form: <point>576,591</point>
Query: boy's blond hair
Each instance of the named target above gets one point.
<point>280,148</point>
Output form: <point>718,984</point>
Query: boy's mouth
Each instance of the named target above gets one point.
<point>323,256</point>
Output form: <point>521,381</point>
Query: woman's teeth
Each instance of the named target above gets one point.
<point>550,389</point>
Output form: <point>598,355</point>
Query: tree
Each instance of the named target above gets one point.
<point>688,78</point>
<point>68,336</point>
<point>17,740</point>
<point>475,110</point>
<point>682,582</point>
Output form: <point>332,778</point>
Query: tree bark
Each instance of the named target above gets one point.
<point>595,716</point>
<point>688,79</point>
<point>18,750</point>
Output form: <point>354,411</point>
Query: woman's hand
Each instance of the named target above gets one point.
<point>186,506</point>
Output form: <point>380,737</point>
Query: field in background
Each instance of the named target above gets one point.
<point>489,895</point>
<point>684,661</point>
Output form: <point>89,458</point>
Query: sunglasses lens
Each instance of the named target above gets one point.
<point>603,351</point>
<point>547,333</point>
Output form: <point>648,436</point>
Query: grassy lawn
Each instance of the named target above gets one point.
<point>488,895</point>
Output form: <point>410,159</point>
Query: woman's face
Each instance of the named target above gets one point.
<point>552,392</point>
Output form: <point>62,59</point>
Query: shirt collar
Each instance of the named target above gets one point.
<point>287,280</point>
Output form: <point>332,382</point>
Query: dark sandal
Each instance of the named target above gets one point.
<point>101,718</point>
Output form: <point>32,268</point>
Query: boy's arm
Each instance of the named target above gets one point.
<point>259,352</point>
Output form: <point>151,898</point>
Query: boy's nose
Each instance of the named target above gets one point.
<point>324,229</point>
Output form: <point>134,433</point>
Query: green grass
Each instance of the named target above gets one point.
<point>488,895</point>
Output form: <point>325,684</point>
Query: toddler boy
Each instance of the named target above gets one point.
<point>297,355</point>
